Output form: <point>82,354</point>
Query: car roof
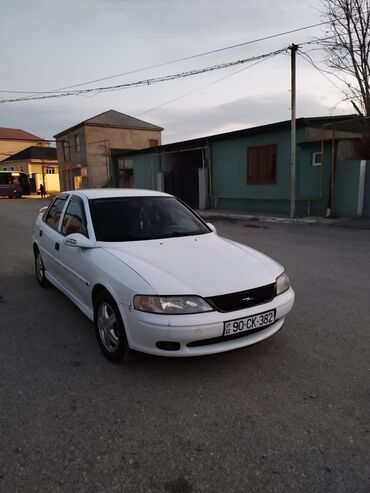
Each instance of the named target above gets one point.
<point>102,193</point>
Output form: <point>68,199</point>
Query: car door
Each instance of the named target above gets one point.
<point>49,238</point>
<point>76,261</point>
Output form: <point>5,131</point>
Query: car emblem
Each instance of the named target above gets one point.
<point>248,298</point>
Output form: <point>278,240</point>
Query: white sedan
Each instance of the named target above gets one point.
<point>154,277</point>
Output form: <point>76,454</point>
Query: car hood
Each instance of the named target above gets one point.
<point>206,265</point>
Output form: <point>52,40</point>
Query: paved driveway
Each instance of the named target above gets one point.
<point>289,414</point>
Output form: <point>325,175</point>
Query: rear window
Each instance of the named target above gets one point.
<point>143,218</point>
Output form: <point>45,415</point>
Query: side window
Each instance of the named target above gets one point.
<point>53,215</point>
<point>74,220</point>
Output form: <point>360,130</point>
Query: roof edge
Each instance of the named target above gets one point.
<point>84,124</point>
<point>300,122</point>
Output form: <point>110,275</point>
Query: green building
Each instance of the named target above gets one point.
<point>250,170</point>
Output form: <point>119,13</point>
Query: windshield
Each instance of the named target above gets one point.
<point>143,218</point>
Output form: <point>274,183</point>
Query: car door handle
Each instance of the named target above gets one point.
<point>40,233</point>
<point>57,246</point>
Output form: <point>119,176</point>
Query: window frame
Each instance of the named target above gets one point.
<point>77,143</point>
<point>79,200</point>
<point>313,155</point>
<point>258,149</point>
<point>66,151</point>
<point>45,216</point>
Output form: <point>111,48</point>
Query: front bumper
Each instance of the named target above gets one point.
<point>144,330</point>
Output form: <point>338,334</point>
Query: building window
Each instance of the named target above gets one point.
<point>316,158</point>
<point>77,144</point>
<point>125,172</point>
<point>50,171</point>
<point>153,142</point>
<point>125,163</point>
<point>66,151</point>
<point>261,165</point>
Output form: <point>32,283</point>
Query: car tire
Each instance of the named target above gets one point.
<point>40,270</point>
<point>109,329</point>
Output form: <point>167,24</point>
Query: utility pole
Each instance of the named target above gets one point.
<point>293,50</point>
<point>43,167</point>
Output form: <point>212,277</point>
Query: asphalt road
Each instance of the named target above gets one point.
<point>288,414</point>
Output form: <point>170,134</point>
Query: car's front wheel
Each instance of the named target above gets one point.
<point>109,328</point>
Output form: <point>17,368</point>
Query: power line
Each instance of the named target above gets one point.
<point>210,52</point>
<point>307,57</point>
<point>145,82</point>
<point>202,87</point>
<point>24,92</point>
<point>176,60</point>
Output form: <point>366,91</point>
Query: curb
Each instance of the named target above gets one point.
<point>266,219</point>
<point>350,223</point>
<point>37,197</point>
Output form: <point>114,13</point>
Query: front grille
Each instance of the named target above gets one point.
<point>242,299</point>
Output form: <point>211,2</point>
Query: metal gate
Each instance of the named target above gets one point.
<point>182,181</point>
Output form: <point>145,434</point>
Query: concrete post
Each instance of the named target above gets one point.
<point>202,181</point>
<point>160,181</point>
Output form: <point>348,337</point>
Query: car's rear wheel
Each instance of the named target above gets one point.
<point>40,270</point>
<point>109,328</point>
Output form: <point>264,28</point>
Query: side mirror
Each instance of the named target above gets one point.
<point>212,228</point>
<point>78,240</point>
<point>43,209</point>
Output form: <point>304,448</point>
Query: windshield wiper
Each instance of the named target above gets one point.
<point>176,234</point>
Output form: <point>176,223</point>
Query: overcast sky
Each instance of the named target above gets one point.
<point>47,45</point>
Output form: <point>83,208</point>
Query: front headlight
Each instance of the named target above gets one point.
<point>171,305</point>
<point>282,283</point>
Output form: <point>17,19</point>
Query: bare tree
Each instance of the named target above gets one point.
<point>347,46</point>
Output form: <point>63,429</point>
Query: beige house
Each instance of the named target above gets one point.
<point>84,150</point>
<point>13,140</point>
<point>41,165</point>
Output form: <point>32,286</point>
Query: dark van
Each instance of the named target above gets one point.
<point>13,184</point>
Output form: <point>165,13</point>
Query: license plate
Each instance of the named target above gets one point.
<point>249,323</point>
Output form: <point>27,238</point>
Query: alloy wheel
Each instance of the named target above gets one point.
<point>107,326</point>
